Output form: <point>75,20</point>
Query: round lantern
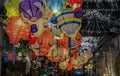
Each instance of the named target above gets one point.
<point>78,73</point>
<point>54,20</point>
<point>34,28</point>
<point>6,59</point>
<point>75,3</point>
<point>19,54</point>
<point>55,5</point>
<point>78,12</point>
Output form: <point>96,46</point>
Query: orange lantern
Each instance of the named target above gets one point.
<point>75,3</point>
<point>16,29</point>
<point>45,41</point>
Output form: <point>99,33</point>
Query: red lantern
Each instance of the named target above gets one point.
<point>75,3</point>
<point>32,40</point>
<point>63,42</point>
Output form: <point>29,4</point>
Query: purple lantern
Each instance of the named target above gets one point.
<point>31,9</point>
<point>34,28</point>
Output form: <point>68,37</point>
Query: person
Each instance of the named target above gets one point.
<point>28,63</point>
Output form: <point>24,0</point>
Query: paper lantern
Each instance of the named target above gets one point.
<point>32,40</point>
<point>19,54</point>
<point>32,9</point>
<point>55,5</point>
<point>16,29</point>
<point>78,12</point>
<point>45,41</point>
<point>12,8</point>
<point>6,59</point>
<point>67,22</point>
<point>34,28</point>
<point>63,42</point>
<point>75,3</point>
<point>78,73</point>
<point>54,20</point>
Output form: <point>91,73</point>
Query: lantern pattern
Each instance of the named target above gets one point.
<point>32,9</point>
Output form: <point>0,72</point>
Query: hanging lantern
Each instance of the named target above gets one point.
<point>34,28</point>
<point>63,42</point>
<point>12,8</point>
<point>6,59</point>
<point>55,5</point>
<point>67,22</point>
<point>45,41</point>
<point>32,40</point>
<point>40,26</point>
<point>78,12</point>
<point>32,9</point>
<point>78,73</point>
<point>75,3</point>
<point>54,20</point>
<point>16,29</point>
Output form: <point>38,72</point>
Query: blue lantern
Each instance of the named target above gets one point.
<point>34,28</point>
<point>6,59</point>
<point>55,5</point>
<point>54,20</point>
<point>78,12</point>
<point>78,73</point>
